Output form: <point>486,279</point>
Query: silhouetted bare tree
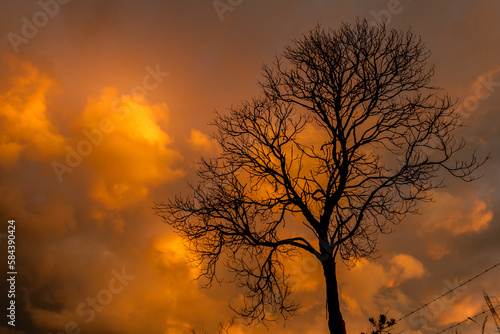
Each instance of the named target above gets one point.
<point>347,138</point>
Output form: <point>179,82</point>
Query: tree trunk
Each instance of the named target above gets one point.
<point>336,324</point>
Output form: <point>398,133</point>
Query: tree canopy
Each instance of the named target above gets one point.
<point>347,138</point>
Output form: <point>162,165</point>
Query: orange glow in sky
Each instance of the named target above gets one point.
<point>105,109</point>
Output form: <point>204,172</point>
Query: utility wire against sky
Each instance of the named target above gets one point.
<point>468,318</point>
<point>448,292</point>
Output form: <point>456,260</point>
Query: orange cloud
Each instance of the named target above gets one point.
<point>126,149</point>
<point>458,215</point>
<point>26,129</point>
<point>404,267</point>
<point>362,295</point>
<point>201,142</point>
<point>484,86</point>
<point>437,250</point>
<point>461,309</point>
<point>47,215</point>
<point>170,249</point>
<point>306,273</point>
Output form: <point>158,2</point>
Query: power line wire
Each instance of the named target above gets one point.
<point>448,292</point>
<point>468,318</point>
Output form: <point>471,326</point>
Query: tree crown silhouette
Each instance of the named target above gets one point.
<point>347,138</point>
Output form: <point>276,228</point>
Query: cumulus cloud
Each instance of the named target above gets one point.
<point>484,85</point>
<point>437,249</point>
<point>26,128</point>
<point>457,215</point>
<point>48,215</point>
<point>201,142</point>
<point>461,309</point>
<point>119,150</point>
<point>404,267</point>
<point>73,233</point>
<point>127,149</point>
<point>367,288</point>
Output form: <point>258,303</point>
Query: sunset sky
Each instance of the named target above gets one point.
<point>83,159</point>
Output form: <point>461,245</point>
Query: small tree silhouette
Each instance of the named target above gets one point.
<point>346,139</point>
<point>382,324</point>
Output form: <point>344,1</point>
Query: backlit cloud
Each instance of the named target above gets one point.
<point>127,149</point>
<point>201,142</point>
<point>82,165</point>
<point>361,298</point>
<point>458,215</point>
<point>26,128</point>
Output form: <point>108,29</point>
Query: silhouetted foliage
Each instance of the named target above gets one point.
<point>382,324</point>
<point>347,138</point>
